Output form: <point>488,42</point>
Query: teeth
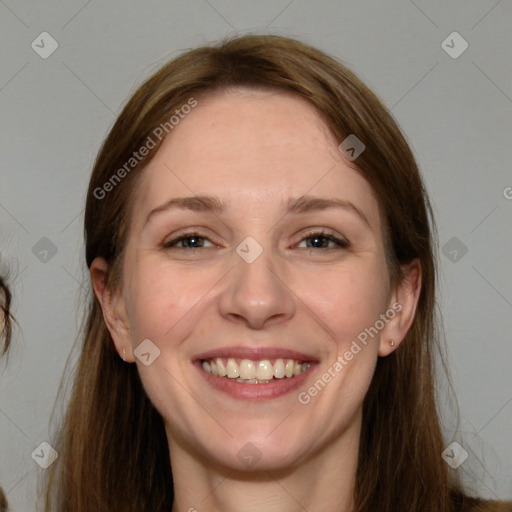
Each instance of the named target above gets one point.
<point>254,372</point>
<point>247,370</point>
<point>220,367</point>
<point>279,369</point>
<point>264,371</point>
<point>253,381</point>
<point>232,369</point>
<point>289,368</point>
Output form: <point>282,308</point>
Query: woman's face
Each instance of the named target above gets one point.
<point>254,285</point>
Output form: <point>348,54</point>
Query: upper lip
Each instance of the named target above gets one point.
<point>255,353</point>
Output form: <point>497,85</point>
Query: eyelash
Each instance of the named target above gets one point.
<point>341,243</point>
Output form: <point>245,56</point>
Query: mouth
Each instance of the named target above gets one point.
<point>248,371</point>
<point>255,373</point>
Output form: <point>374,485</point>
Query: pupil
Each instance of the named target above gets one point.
<point>193,241</point>
<point>317,241</point>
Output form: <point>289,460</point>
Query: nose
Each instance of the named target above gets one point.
<point>257,293</point>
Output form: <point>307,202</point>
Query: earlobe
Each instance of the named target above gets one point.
<point>113,308</point>
<point>403,302</point>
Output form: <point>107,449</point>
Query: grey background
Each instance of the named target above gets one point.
<point>456,114</point>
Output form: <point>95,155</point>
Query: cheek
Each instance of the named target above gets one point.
<point>350,300</point>
<point>157,300</point>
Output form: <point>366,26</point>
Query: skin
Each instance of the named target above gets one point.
<point>254,150</point>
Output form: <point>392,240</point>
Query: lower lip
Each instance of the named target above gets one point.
<point>274,389</point>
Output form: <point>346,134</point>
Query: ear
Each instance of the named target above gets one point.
<point>403,302</point>
<point>114,310</point>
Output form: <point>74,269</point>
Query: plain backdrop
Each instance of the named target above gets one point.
<point>454,106</point>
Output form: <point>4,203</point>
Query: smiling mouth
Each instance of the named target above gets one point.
<point>247,371</point>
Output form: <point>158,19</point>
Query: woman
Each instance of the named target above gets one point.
<point>262,329</point>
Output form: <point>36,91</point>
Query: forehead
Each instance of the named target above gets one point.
<point>255,149</point>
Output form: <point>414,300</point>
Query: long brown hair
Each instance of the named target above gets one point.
<point>113,452</point>
<point>6,320</point>
<point>6,317</point>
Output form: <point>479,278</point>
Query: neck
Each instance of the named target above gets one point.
<point>324,482</point>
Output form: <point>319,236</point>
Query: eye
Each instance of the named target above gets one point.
<point>314,240</point>
<point>321,240</point>
<point>186,241</point>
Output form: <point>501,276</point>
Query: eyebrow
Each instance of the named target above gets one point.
<point>213,204</point>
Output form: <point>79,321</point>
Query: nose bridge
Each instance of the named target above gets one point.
<point>256,292</point>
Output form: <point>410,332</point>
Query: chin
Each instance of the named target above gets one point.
<point>257,451</point>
